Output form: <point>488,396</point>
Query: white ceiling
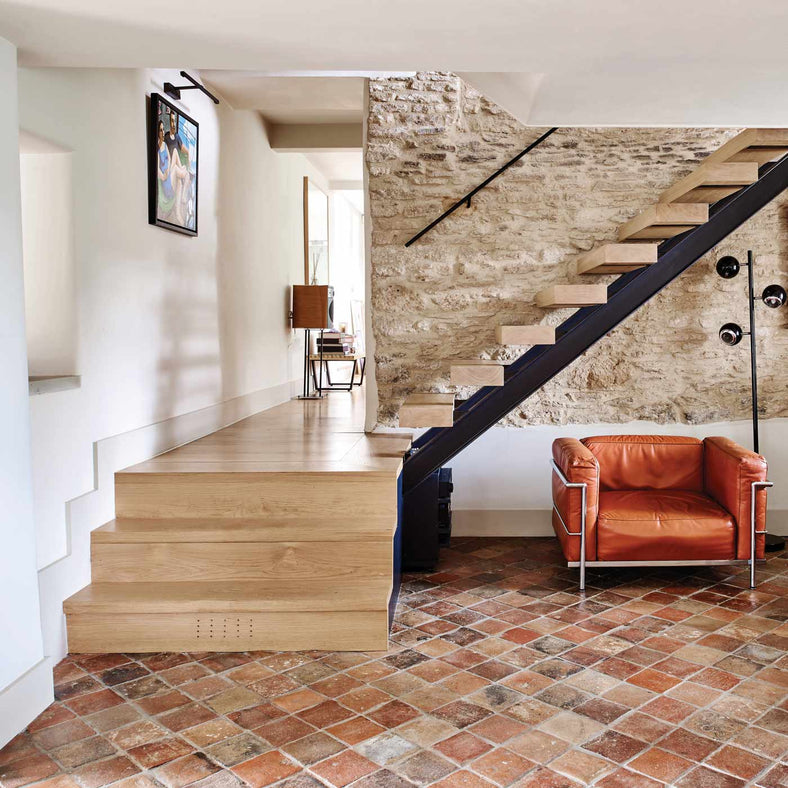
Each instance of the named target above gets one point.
<point>602,60</point>
<point>339,165</point>
<point>291,99</point>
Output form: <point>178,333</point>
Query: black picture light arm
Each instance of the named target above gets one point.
<point>174,91</point>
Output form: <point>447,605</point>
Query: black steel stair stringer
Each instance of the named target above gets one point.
<point>587,326</point>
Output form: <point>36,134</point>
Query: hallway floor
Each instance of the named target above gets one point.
<point>498,673</point>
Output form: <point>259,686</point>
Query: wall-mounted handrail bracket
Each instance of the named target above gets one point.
<point>466,200</point>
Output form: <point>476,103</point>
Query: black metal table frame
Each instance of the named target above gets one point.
<point>359,365</point>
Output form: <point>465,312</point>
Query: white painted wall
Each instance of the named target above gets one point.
<point>346,253</point>
<point>178,336</point>
<point>48,253</point>
<point>23,691</point>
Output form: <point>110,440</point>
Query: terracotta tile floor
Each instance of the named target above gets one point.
<point>499,673</point>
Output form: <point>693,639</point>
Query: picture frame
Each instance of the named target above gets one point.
<point>173,167</point>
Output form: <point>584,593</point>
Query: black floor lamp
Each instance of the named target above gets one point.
<point>731,334</point>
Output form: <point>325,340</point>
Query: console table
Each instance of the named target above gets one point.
<point>359,363</point>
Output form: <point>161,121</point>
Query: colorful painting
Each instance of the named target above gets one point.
<point>173,168</point>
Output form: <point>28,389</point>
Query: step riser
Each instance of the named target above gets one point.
<point>659,232</point>
<point>147,495</point>
<point>481,375</point>
<point>293,631</point>
<point>417,417</point>
<point>525,335</point>
<point>330,562</point>
<point>561,296</point>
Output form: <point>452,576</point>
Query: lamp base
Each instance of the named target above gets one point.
<point>312,396</point>
<point>774,543</point>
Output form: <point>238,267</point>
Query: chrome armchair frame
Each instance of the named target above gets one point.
<point>582,563</point>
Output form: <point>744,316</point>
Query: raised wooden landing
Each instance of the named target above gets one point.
<point>477,372</point>
<point>525,335</point>
<point>427,410</point>
<point>560,296</point>
<point>273,533</point>
<point>617,258</point>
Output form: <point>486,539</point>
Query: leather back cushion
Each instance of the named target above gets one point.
<point>648,462</point>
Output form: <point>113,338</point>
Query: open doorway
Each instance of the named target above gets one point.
<point>319,118</point>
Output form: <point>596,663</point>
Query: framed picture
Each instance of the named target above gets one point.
<point>173,167</point>
<point>315,234</point>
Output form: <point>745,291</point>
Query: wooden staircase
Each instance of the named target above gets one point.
<point>681,209</point>
<point>275,533</point>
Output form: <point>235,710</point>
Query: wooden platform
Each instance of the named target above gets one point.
<point>274,533</point>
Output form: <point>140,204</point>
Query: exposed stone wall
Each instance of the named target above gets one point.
<point>432,138</point>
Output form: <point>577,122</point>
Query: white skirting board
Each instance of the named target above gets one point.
<point>537,522</point>
<point>23,700</point>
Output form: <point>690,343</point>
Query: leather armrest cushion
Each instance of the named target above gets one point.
<point>729,470</point>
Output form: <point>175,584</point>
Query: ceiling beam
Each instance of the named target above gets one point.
<point>313,137</point>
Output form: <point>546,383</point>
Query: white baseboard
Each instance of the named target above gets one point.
<point>23,700</point>
<point>537,522</point>
<point>501,522</point>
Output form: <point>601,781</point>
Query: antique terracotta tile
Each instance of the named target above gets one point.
<point>498,673</point>
<point>265,769</point>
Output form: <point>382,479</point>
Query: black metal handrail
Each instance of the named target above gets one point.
<point>587,326</point>
<point>466,200</point>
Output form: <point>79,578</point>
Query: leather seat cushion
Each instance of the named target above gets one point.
<point>663,525</point>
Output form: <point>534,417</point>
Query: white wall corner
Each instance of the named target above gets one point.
<point>501,522</point>
<point>24,699</point>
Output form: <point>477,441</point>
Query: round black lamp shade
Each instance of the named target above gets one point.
<point>728,267</point>
<point>731,334</point>
<point>774,296</point>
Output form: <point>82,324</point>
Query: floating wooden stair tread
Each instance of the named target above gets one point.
<point>664,220</point>
<point>617,258</point>
<point>477,372</point>
<point>758,145</point>
<point>711,182</point>
<point>427,410</point>
<point>525,335</point>
<point>559,296</point>
<point>237,529</point>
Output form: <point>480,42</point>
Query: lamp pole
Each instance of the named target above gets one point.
<point>773,296</point>
<point>753,350</point>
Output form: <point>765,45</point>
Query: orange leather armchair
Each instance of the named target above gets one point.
<point>630,500</point>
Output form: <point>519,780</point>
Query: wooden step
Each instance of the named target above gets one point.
<point>559,296</point>
<point>711,182</point>
<point>239,530</point>
<point>477,372</point>
<point>427,410</point>
<point>664,220</point>
<point>758,145</point>
<point>525,335</point>
<point>617,258</point>
<point>183,491</point>
<point>328,562</point>
<point>227,616</point>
